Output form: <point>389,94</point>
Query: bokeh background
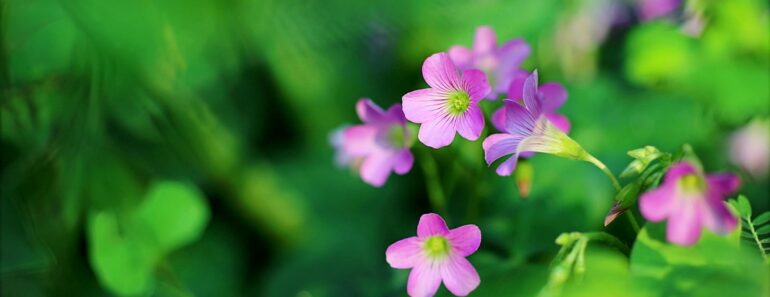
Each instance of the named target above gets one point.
<point>180,148</point>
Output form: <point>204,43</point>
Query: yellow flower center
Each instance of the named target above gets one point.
<point>436,246</point>
<point>458,102</point>
<point>691,183</point>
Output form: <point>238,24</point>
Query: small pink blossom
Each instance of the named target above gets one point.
<point>750,148</point>
<point>450,105</point>
<point>437,254</point>
<point>381,143</point>
<point>689,200</point>
<point>650,9</point>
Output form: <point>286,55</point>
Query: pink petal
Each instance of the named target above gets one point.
<point>554,96</point>
<point>485,40</point>
<point>359,140</point>
<point>655,205</point>
<point>368,111</point>
<point>516,86</point>
<point>459,276</point>
<point>424,105</point>
<point>396,114</point>
<point>470,124</point>
<point>440,73</point>
<point>498,119</point>
<point>405,253</point>
<point>717,217</point>
<point>560,121</point>
<point>507,167</point>
<point>431,224</point>
<point>678,170</point>
<point>375,169</point>
<point>465,239</point>
<point>403,161</point>
<point>513,53</point>
<point>475,82</point>
<point>684,224</point>
<point>424,280</point>
<point>497,145</point>
<point>437,133</point>
<point>723,183</point>
<point>461,56</point>
<point>531,98</point>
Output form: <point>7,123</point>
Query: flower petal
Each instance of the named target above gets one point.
<point>440,73</point>
<point>403,161</point>
<point>470,124</point>
<point>678,170</point>
<point>396,114</point>
<point>368,111</point>
<point>553,95</point>
<point>485,40</point>
<point>431,224</point>
<point>359,140</point>
<point>424,105</point>
<point>531,97</point>
<point>424,280</point>
<point>405,253</point>
<point>475,82</point>
<point>518,120</point>
<point>717,217</point>
<point>437,133</point>
<point>461,56</point>
<point>498,119</point>
<point>506,168</point>
<point>516,86</point>
<point>560,121</point>
<point>376,168</point>
<point>684,225</point>
<point>459,276</point>
<point>498,145</point>
<point>513,53</point>
<point>655,205</point>
<point>465,239</point>
<point>723,184</point>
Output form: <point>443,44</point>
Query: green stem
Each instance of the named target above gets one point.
<point>606,171</point>
<point>433,183</point>
<point>632,220</point>
<point>608,239</point>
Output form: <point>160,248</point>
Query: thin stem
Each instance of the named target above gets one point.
<point>606,171</point>
<point>632,220</point>
<point>433,183</point>
<point>609,239</point>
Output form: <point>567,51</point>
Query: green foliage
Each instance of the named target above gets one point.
<point>755,232</point>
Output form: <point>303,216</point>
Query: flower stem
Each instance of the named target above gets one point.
<point>433,183</point>
<point>606,171</point>
<point>632,220</point>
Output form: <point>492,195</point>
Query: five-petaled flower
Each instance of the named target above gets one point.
<point>382,142</point>
<point>450,105</point>
<point>437,254</point>
<point>527,129</point>
<point>689,199</point>
<point>501,64</point>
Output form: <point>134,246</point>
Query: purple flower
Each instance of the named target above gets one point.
<point>689,200</point>
<point>437,254</point>
<point>382,142</point>
<point>450,104</point>
<point>552,94</point>
<point>501,64</point>
<point>750,148</point>
<point>337,140</point>
<point>527,129</point>
<point>650,9</point>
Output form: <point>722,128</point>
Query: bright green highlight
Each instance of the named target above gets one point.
<point>458,102</point>
<point>691,183</point>
<point>436,246</point>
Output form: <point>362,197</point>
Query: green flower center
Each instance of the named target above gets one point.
<point>458,102</point>
<point>397,136</point>
<point>436,246</point>
<point>691,183</point>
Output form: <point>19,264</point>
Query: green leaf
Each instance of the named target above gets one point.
<point>763,230</point>
<point>761,219</point>
<point>744,207</point>
<point>172,215</point>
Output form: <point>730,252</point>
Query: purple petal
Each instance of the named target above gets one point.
<point>368,111</point>
<point>470,124</point>
<point>424,105</point>
<point>424,280</point>
<point>465,239</point>
<point>359,140</point>
<point>518,120</point>
<point>516,86</point>
<point>375,169</point>
<point>431,224</point>
<point>678,170</point>
<point>438,133</point>
<point>717,217</point>
<point>561,122</point>
<point>531,98</point>
<point>440,73</point>
<point>461,56</point>
<point>684,225</point>
<point>513,53</point>
<point>459,276</point>
<point>405,253</point>
<point>722,184</point>
<point>650,9</point>
<point>396,114</point>
<point>554,96</point>
<point>485,40</point>
<point>403,161</point>
<point>506,168</point>
<point>475,82</point>
<point>498,119</point>
<point>497,145</point>
<point>655,205</point>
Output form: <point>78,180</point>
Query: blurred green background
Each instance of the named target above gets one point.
<point>180,148</point>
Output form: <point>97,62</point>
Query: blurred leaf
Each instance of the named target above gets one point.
<point>172,215</point>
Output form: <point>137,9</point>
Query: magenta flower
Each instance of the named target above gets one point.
<point>501,64</point>
<point>437,254</point>
<point>690,200</point>
<point>750,148</point>
<point>450,104</point>
<point>527,129</point>
<point>552,94</point>
<point>382,142</point>
<point>650,9</point>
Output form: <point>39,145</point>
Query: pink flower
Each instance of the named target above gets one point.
<point>382,142</point>
<point>437,254</point>
<point>690,200</point>
<point>450,105</point>
<point>650,9</point>
<point>552,94</point>
<point>750,148</point>
<point>501,64</point>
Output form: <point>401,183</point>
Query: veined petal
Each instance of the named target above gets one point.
<point>531,98</point>
<point>359,140</point>
<point>475,82</point>
<point>424,279</point>
<point>540,144</point>
<point>553,95</point>
<point>438,133</point>
<point>405,253</point>
<point>498,145</point>
<point>723,183</point>
<point>560,121</point>
<point>440,73</point>
<point>470,124</point>
<point>655,205</point>
<point>376,168</point>
<point>403,161</point>
<point>465,239</point>
<point>684,226</point>
<point>498,119</point>
<point>424,105</point>
<point>485,40</point>
<point>368,111</point>
<point>461,56</point>
<point>459,276</point>
<point>518,120</point>
<point>431,224</point>
<point>717,217</point>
